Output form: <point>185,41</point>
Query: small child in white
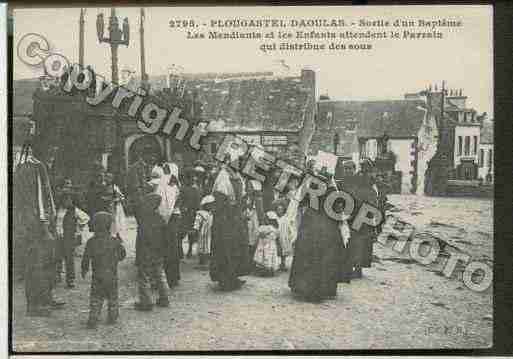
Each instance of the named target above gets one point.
<point>285,234</point>
<point>266,254</point>
<point>203,226</point>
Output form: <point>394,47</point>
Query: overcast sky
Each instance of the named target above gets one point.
<point>464,58</point>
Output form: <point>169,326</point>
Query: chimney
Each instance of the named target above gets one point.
<point>308,79</point>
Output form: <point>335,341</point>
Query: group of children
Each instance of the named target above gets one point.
<point>270,240</point>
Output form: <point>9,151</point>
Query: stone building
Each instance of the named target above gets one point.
<point>273,112</point>
<point>456,158</point>
<point>276,113</point>
<point>84,135</point>
<point>467,133</point>
<point>485,157</point>
<point>21,122</point>
<point>399,135</point>
<point>424,140</point>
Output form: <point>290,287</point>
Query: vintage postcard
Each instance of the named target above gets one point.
<point>252,178</point>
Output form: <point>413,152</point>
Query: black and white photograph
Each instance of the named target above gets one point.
<point>252,178</point>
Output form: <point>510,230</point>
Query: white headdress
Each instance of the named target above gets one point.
<point>223,184</point>
<point>207,199</point>
<point>271,215</point>
<point>173,171</point>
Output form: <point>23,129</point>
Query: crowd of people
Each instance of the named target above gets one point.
<point>239,227</point>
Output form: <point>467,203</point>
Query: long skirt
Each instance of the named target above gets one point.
<point>40,273</point>
<point>345,265</point>
<point>360,248</point>
<point>316,266</point>
<point>230,255</point>
<point>172,252</point>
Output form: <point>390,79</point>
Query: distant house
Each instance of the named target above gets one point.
<point>398,132</point>
<point>485,157</point>
<point>466,125</point>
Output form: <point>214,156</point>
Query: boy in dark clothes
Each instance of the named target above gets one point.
<point>104,252</point>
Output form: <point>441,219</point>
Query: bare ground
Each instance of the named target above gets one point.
<point>397,305</point>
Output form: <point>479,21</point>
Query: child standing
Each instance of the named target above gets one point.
<point>71,220</point>
<point>203,228</point>
<point>104,252</point>
<point>115,198</point>
<point>285,234</point>
<point>251,215</point>
<point>266,253</point>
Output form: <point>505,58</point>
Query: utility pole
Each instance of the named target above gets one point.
<point>81,23</point>
<point>116,37</point>
<point>144,75</point>
<point>443,100</point>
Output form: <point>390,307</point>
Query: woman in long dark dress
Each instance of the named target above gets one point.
<point>230,257</point>
<point>318,256</point>
<point>361,241</point>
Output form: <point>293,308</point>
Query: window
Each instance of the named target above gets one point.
<point>490,158</point>
<point>468,173</point>
<point>467,145</point>
<point>481,158</point>
<point>474,152</point>
<point>460,145</point>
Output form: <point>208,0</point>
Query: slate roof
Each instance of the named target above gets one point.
<point>396,118</point>
<point>260,103</point>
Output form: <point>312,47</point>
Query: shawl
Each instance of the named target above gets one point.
<point>224,185</point>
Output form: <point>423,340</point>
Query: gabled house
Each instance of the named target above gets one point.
<point>399,135</point>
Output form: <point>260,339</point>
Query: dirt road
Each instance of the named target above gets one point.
<point>395,305</point>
